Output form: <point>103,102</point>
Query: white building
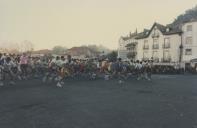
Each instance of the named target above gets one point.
<point>123,42</point>
<point>189,38</point>
<point>163,43</point>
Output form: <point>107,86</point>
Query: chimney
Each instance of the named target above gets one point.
<point>130,34</point>
<point>136,31</point>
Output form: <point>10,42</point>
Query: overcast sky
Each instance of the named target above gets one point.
<point>47,23</point>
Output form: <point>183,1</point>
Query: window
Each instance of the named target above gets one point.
<point>188,51</point>
<point>155,44</point>
<point>155,54</point>
<point>146,44</point>
<point>167,29</point>
<point>166,55</point>
<point>147,33</point>
<point>167,40</point>
<point>188,40</point>
<point>189,28</point>
<point>155,41</point>
<point>145,54</point>
<point>167,43</point>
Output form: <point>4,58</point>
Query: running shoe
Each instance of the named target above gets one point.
<point>59,84</point>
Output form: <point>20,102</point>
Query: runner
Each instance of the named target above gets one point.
<point>24,65</point>
<point>9,69</point>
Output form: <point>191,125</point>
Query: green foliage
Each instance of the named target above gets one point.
<point>99,48</point>
<point>131,55</point>
<point>190,14</point>
<point>112,56</point>
<point>59,50</point>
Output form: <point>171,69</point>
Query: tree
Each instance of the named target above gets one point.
<point>10,47</point>
<point>99,48</point>
<point>112,56</point>
<point>190,14</point>
<point>14,47</point>
<point>59,50</point>
<point>131,55</point>
<point>26,46</point>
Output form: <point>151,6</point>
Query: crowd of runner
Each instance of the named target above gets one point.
<point>56,69</point>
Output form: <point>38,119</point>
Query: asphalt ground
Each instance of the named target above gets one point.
<point>165,102</point>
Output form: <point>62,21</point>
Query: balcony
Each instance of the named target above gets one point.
<point>131,45</point>
<point>155,46</point>
<point>145,58</point>
<point>145,47</point>
<point>166,46</point>
<point>166,60</point>
<point>131,49</point>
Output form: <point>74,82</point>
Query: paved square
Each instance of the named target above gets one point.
<point>166,102</point>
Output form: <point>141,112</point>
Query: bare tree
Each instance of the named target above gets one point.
<point>26,46</point>
<point>10,47</point>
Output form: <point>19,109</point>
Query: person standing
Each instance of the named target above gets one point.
<point>1,69</point>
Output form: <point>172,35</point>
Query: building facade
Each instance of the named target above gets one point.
<point>189,39</point>
<point>123,50</point>
<point>162,44</point>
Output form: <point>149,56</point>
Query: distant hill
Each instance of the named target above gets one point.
<point>43,51</point>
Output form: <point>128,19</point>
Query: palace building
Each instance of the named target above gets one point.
<point>162,44</point>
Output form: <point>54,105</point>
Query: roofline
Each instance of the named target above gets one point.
<point>149,31</point>
<point>190,21</point>
<point>175,33</point>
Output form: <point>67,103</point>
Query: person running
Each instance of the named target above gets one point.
<point>145,71</point>
<point>1,69</point>
<point>60,71</point>
<point>51,72</point>
<point>149,70</point>
<point>138,69</point>
<point>24,65</point>
<point>9,67</point>
<point>119,70</point>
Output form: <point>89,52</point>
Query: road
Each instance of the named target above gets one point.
<point>165,102</point>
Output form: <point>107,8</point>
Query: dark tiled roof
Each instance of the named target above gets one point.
<point>173,31</point>
<point>125,38</point>
<point>130,36</point>
<point>162,28</point>
<point>142,35</point>
<point>146,33</point>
